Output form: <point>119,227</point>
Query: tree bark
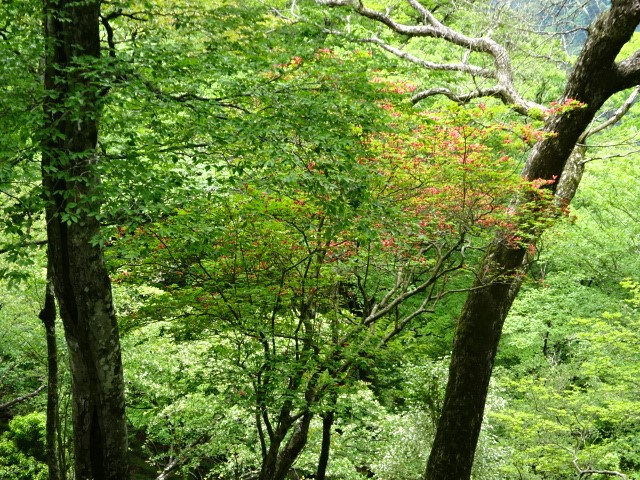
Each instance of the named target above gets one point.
<point>48,317</point>
<point>81,283</point>
<point>279,460</point>
<point>294,446</point>
<point>323,460</point>
<point>595,78</point>
<point>23,398</point>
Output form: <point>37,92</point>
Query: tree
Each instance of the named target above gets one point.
<point>48,317</point>
<point>595,77</point>
<point>294,236</point>
<point>307,266</point>
<point>80,280</point>
<point>480,324</point>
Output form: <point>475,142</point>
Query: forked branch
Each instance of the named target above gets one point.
<point>431,27</point>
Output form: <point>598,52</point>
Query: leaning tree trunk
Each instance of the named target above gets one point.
<point>595,78</point>
<point>80,279</point>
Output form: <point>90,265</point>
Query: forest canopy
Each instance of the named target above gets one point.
<point>332,239</point>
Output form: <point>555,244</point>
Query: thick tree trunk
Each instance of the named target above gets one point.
<point>80,279</point>
<point>48,317</point>
<point>476,340</point>
<point>595,78</point>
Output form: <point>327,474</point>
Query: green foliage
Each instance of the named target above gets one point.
<point>598,242</point>
<point>393,444</point>
<point>20,204</point>
<point>22,343</point>
<point>22,448</point>
<point>568,371</point>
<point>186,405</point>
<point>265,187</point>
<point>28,434</point>
<point>538,331</point>
<point>273,276</point>
<point>583,408</point>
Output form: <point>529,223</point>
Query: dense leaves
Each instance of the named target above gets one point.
<point>290,241</point>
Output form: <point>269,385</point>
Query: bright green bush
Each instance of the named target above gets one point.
<point>22,448</point>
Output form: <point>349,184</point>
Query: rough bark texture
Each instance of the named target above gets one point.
<point>595,78</point>
<point>80,279</point>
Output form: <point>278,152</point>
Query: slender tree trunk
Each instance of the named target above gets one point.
<point>595,78</point>
<point>323,460</point>
<point>81,283</point>
<point>48,317</point>
<point>294,446</point>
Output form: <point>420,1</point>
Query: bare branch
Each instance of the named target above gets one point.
<point>626,154</point>
<point>574,168</point>
<point>183,456</point>
<point>587,472</point>
<point>23,398</point>
<point>615,118</point>
<point>433,28</point>
<point>456,97</point>
<point>473,70</point>
<point>168,470</point>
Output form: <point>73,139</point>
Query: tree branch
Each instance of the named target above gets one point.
<point>590,471</point>
<point>23,398</point>
<point>433,28</point>
<point>176,461</point>
<point>171,466</point>
<point>472,70</point>
<point>615,118</point>
<point>496,92</point>
<point>629,70</point>
<point>34,243</point>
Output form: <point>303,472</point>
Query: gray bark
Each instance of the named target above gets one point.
<point>80,279</point>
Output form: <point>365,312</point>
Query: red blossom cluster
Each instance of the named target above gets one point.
<point>395,86</point>
<point>567,105</point>
<point>294,62</point>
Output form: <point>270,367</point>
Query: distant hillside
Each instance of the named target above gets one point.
<point>568,18</point>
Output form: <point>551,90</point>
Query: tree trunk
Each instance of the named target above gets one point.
<point>279,460</point>
<point>48,317</point>
<point>323,461</point>
<point>595,78</point>
<point>270,461</point>
<point>81,283</point>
